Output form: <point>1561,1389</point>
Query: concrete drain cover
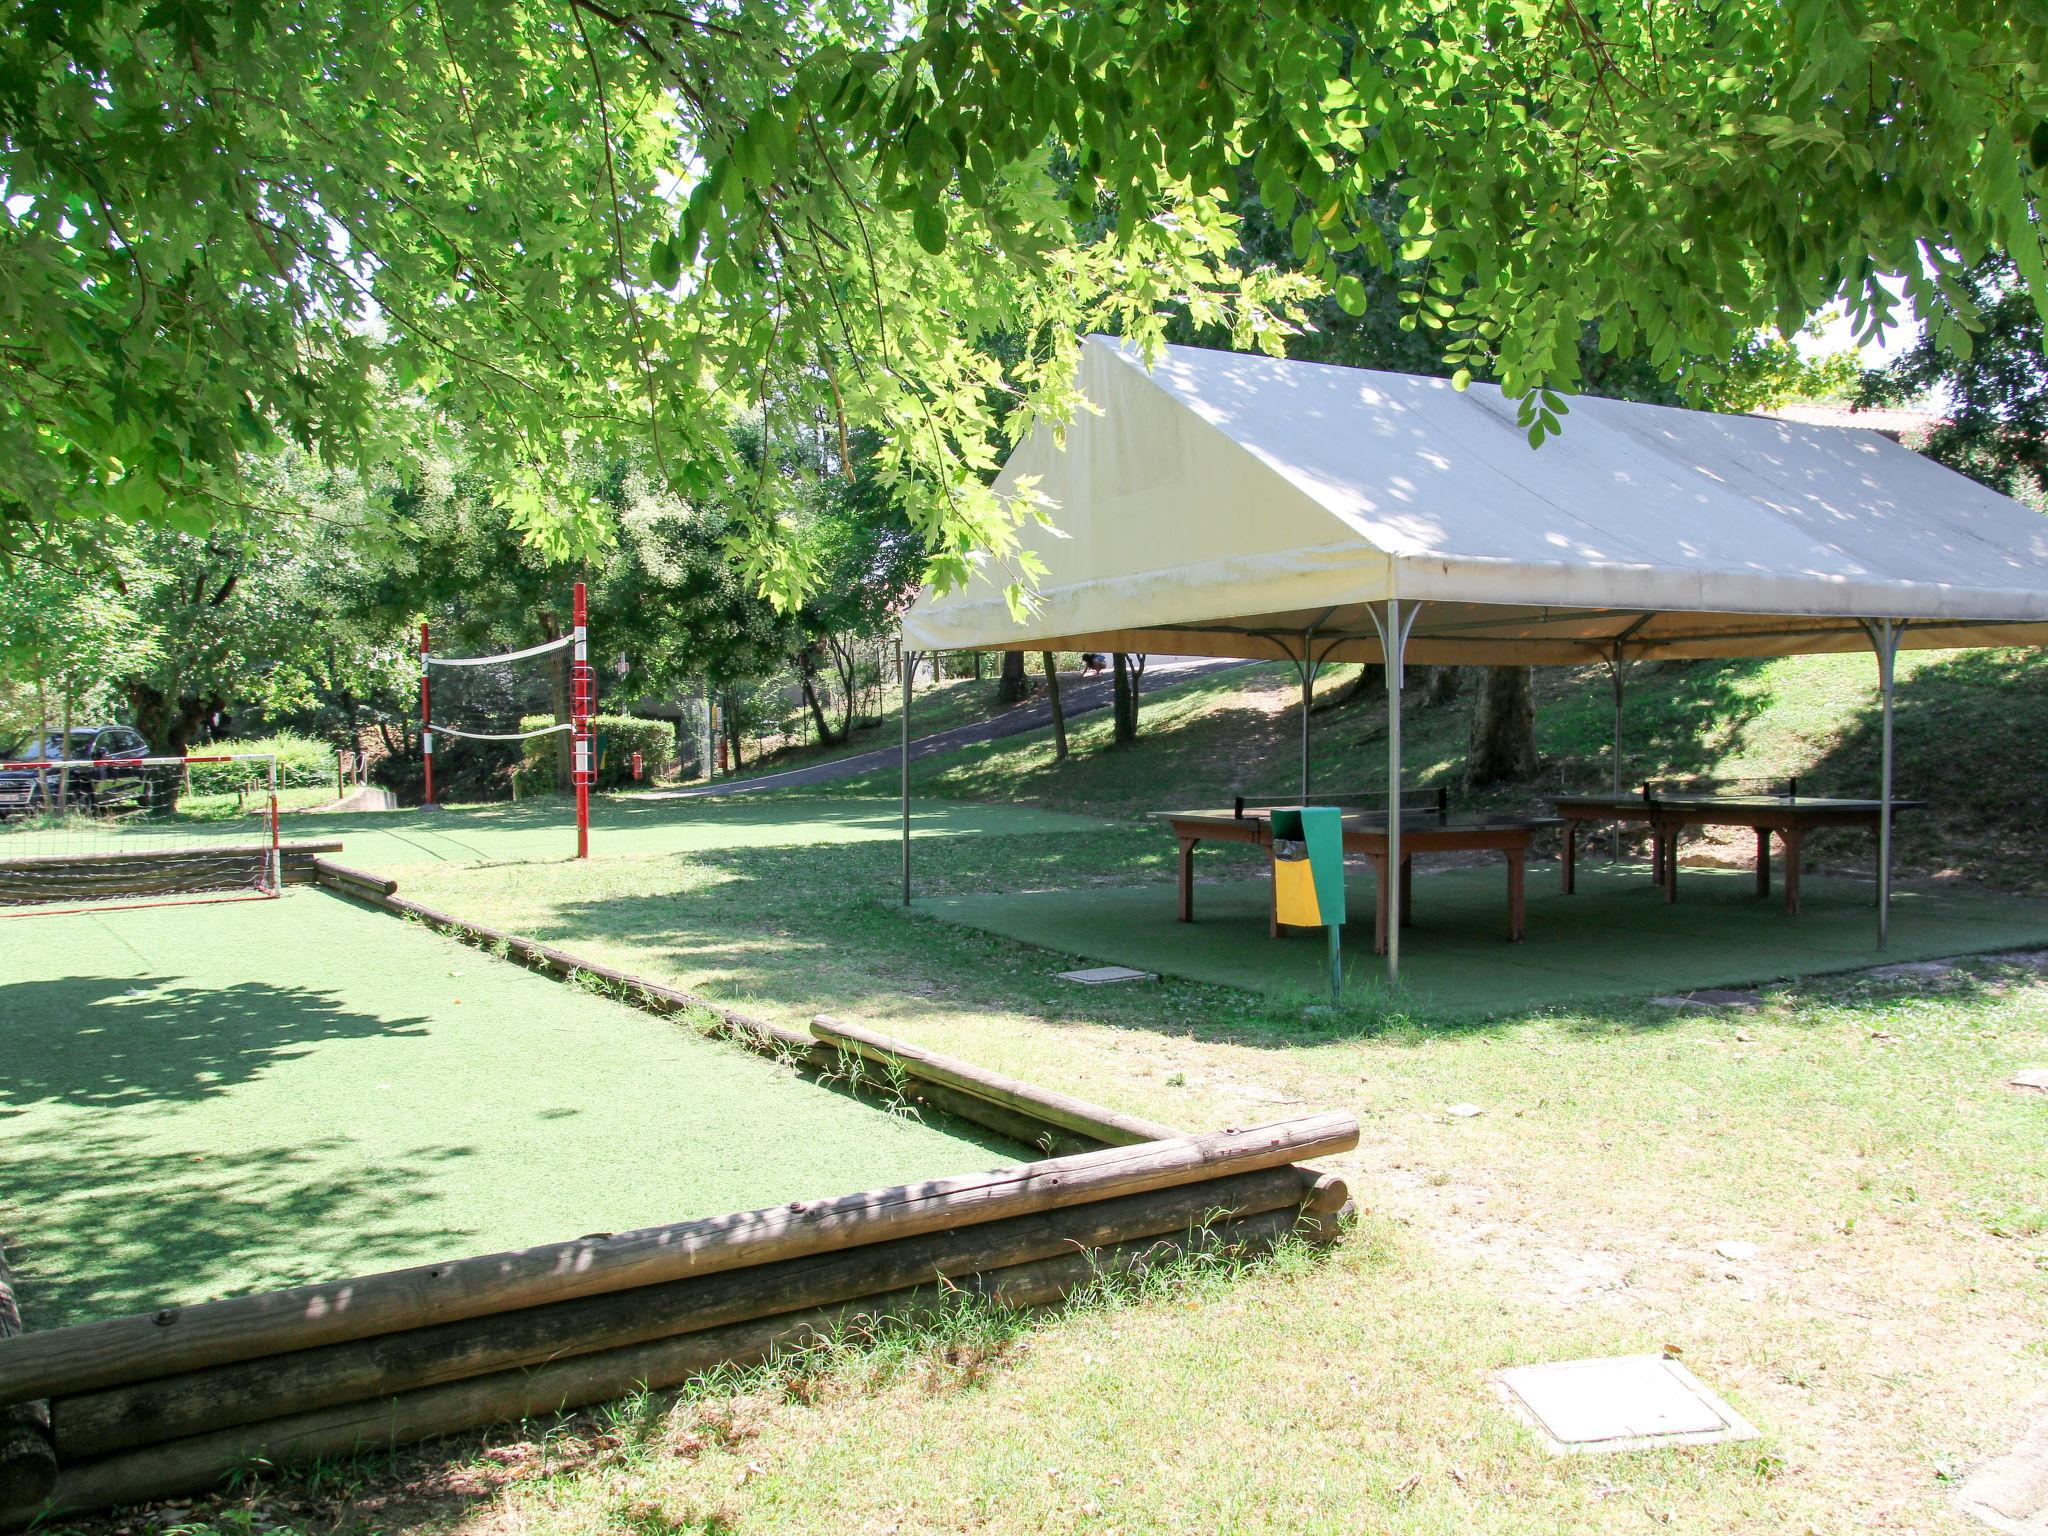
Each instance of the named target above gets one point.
<point>1709,997</point>
<point>1105,975</point>
<point>2033,1077</point>
<point>2011,1493</point>
<point>1624,1404</point>
<point>1911,970</point>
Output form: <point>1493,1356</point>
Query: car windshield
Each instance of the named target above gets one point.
<point>31,748</point>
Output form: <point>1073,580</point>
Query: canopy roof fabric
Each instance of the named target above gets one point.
<point>1231,505</point>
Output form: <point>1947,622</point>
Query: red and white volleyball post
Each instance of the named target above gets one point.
<point>582,692</point>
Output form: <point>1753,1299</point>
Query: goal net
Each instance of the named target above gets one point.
<point>96,833</point>
<point>479,713</point>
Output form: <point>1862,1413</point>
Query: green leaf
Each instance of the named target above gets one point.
<point>2037,145</point>
<point>1350,294</point>
<point>928,222</point>
<point>666,263</point>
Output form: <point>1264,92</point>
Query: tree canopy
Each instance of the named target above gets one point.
<point>233,222</point>
<point>1993,384</point>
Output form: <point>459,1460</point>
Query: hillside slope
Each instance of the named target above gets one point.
<point>1971,736</point>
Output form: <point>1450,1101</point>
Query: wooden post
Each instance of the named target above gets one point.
<point>28,1460</point>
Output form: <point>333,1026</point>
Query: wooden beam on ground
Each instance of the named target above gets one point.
<point>28,1460</point>
<point>197,1462</point>
<point>67,1361</point>
<point>1105,1125</point>
<point>276,1386</point>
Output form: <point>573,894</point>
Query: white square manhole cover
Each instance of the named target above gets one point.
<point>1623,1404</point>
<point>1105,975</point>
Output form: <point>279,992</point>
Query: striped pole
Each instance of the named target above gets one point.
<point>582,681</point>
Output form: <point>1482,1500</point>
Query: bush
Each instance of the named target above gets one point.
<point>302,762</point>
<point>614,738</point>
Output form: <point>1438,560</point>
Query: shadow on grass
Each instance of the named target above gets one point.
<point>96,1230</point>
<point>90,1041</point>
<point>782,924</point>
<point>1970,737</point>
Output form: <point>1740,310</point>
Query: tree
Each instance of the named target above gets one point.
<point>1995,426</point>
<point>1129,672</point>
<point>1012,687</point>
<point>1059,715</point>
<point>1503,729</point>
<point>560,223</point>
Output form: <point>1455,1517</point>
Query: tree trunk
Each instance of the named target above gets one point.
<point>1370,681</point>
<point>1443,686</point>
<point>807,671</point>
<point>1124,709</point>
<point>1059,716</point>
<point>1011,688</point>
<point>1503,728</point>
<point>845,664</point>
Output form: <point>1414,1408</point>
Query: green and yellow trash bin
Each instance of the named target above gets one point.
<point>1308,876</point>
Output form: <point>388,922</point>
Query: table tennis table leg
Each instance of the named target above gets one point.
<point>1517,905</point>
<point>1187,878</point>
<point>1656,853</point>
<point>1670,870</point>
<point>1571,857</point>
<point>1379,902</point>
<point>1763,861</point>
<point>1407,893</point>
<point>1791,838</point>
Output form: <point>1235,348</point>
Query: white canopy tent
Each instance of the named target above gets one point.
<point>1230,505</point>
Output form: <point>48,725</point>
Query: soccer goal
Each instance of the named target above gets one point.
<point>508,698</point>
<point>98,834</point>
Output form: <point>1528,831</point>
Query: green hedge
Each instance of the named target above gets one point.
<point>615,738</point>
<point>302,761</point>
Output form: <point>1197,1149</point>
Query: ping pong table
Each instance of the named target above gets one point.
<point>1365,832</point>
<point>1789,817</point>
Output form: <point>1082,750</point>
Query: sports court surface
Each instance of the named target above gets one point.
<point>1617,938</point>
<point>203,1100</point>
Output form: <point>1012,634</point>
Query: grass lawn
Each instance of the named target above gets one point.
<point>1888,1332</point>
<point>204,1100</point>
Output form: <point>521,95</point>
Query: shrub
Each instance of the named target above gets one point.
<point>614,738</point>
<point>302,762</point>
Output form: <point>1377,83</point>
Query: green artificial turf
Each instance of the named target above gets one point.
<point>197,1101</point>
<point>1615,938</point>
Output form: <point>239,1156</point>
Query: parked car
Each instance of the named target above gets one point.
<point>104,772</point>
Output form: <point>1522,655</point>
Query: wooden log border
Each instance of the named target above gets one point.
<point>168,1403</point>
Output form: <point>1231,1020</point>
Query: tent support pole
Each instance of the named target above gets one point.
<point>1393,626</point>
<point>1884,638</point>
<point>1308,688</point>
<point>905,660</point>
<point>1618,668</point>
